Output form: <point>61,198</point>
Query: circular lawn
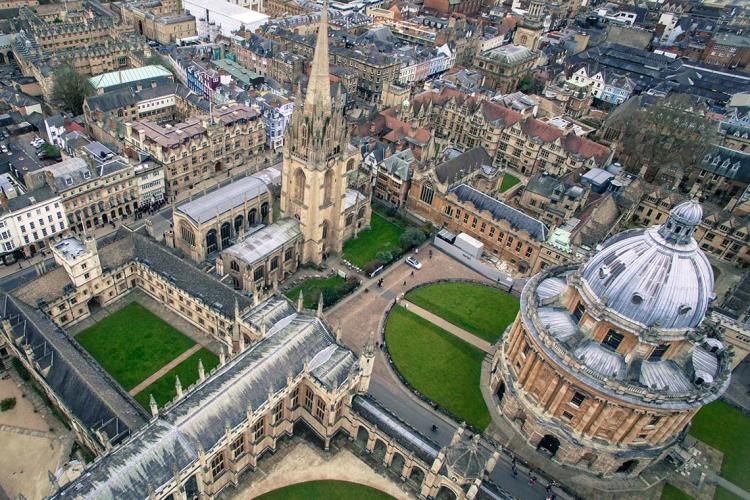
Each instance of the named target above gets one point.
<point>325,490</point>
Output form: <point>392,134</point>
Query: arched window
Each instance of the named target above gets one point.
<point>187,235</point>
<point>361,213</point>
<point>299,186</point>
<point>264,212</point>
<point>325,229</point>
<point>234,266</point>
<point>350,165</point>
<point>238,223</point>
<point>427,194</point>
<point>328,188</point>
<point>226,233</point>
<point>251,215</point>
<point>211,241</point>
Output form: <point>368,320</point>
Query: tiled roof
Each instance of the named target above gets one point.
<point>462,165</point>
<point>586,148</point>
<point>541,130</point>
<point>494,112</point>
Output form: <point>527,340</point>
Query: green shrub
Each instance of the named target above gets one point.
<point>7,404</point>
<point>22,371</point>
<point>384,256</point>
<point>370,267</point>
<point>411,238</point>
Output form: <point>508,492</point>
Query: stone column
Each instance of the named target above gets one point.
<point>591,415</point>
<point>547,395</point>
<point>630,436</point>
<point>527,367</point>
<point>626,427</point>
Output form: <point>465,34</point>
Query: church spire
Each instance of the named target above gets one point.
<point>318,96</point>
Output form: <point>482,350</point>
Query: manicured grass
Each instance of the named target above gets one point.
<point>133,343</point>
<point>723,494</point>
<point>163,389</point>
<point>508,182</point>
<point>479,309</point>
<point>312,288</point>
<point>673,493</point>
<point>438,364</point>
<point>325,490</point>
<point>382,235</point>
<point>728,430</point>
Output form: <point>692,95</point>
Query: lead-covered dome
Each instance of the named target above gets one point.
<point>657,277</point>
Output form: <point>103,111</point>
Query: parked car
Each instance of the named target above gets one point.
<point>414,263</point>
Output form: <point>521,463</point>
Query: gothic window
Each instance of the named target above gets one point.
<point>299,186</point>
<point>187,235</point>
<point>251,215</point>
<point>350,165</point>
<point>349,219</point>
<point>361,213</point>
<point>580,310</point>
<point>258,428</point>
<point>325,229</point>
<point>328,188</point>
<point>217,465</point>
<point>238,447</point>
<point>211,241</point>
<point>226,233</point>
<point>658,352</point>
<point>309,396</point>
<point>288,254</point>
<point>234,266</point>
<point>258,274</point>
<point>274,263</point>
<point>238,223</point>
<point>264,212</point>
<point>427,194</point>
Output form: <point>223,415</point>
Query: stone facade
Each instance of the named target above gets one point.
<point>557,372</point>
<point>199,148</point>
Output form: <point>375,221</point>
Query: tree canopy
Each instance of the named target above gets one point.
<point>70,88</point>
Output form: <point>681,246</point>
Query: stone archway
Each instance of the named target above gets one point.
<point>416,475</point>
<point>211,241</point>
<point>94,303</point>
<point>549,445</point>
<point>379,450</point>
<point>362,437</point>
<point>397,463</point>
<point>627,467</point>
<point>445,493</point>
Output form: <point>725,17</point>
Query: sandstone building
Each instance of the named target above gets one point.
<point>608,361</point>
<point>320,169</point>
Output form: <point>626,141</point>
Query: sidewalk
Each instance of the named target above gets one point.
<point>449,327</point>
<point>164,369</point>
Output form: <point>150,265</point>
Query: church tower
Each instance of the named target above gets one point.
<point>317,160</point>
<point>530,29</point>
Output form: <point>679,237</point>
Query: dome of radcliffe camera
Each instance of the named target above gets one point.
<point>657,277</point>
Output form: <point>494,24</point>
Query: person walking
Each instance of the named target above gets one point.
<point>532,480</point>
<point>514,471</point>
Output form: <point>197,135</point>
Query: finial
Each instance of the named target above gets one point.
<point>152,405</point>
<point>300,301</point>
<point>178,386</point>
<point>222,356</point>
<point>201,370</point>
<point>320,305</point>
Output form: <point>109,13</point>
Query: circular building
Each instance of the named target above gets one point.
<point>607,363</point>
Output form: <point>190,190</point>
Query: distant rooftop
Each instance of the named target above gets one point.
<point>126,76</point>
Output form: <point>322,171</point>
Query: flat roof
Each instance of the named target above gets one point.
<point>264,241</point>
<point>70,248</point>
<point>223,199</point>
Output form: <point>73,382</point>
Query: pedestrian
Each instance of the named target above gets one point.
<point>548,488</point>
<point>404,283</point>
<point>513,470</point>
<point>412,273</point>
<point>532,480</point>
<point>20,265</point>
<point>430,254</point>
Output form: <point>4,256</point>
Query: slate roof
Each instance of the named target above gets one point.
<point>501,211</point>
<point>89,393</point>
<point>222,200</point>
<point>394,427</point>
<point>198,420</point>
<point>728,163</point>
<point>462,165</point>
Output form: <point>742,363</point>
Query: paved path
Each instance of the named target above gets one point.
<point>27,432</point>
<point>164,369</point>
<point>449,327</point>
<point>733,488</point>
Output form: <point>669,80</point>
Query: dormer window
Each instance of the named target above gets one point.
<point>637,299</point>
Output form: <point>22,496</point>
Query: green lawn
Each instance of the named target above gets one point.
<point>673,493</point>
<point>728,430</point>
<point>508,182</point>
<point>325,490</point>
<point>311,289</point>
<point>722,494</point>
<point>133,343</point>
<point>163,389</point>
<point>382,235</point>
<point>438,364</point>
<point>479,309</point>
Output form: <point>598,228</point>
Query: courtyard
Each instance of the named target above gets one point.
<point>382,236</point>
<point>479,309</point>
<point>437,364</point>
<point>509,180</point>
<point>143,353</point>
